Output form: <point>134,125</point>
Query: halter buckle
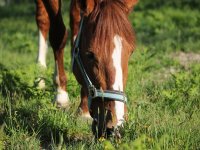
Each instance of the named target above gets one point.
<point>92,91</point>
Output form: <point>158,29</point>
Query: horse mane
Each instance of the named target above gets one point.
<point>110,18</point>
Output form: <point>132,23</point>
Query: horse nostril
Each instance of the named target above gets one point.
<point>110,132</point>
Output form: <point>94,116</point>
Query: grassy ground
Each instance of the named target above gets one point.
<point>163,85</point>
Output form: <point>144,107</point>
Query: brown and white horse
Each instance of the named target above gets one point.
<point>105,41</point>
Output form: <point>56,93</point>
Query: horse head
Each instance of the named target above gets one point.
<point>102,49</point>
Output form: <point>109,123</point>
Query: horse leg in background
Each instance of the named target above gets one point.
<point>57,38</point>
<point>43,23</point>
<point>75,18</point>
<point>83,107</point>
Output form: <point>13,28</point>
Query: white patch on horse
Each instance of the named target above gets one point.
<point>118,84</point>
<point>74,38</point>
<point>40,83</point>
<point>85,115</point>
<point>41,59</point>
<point>62,98</point>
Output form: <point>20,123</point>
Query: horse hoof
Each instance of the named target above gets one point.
<point>40,83</point>
<point>84,115</point>
<point>62,105</point>
<point>62,100</point>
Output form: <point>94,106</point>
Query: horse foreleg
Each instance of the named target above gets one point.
<point>43,23</point>
<point>62,99</point>
<point>57,38</point>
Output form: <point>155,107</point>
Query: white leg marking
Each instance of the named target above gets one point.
<point>41,59</point>
<point>42,50</point>
<point>85,115</point>
<point>62,98</point>
<point>118,84</point>
<point>40,83</point>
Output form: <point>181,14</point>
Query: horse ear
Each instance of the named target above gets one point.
<point>130,4</point>
<point>87,6</point>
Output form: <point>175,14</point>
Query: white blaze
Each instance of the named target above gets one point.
<point>62,98</point>
<point>118,84</point>
<point>42,50</point>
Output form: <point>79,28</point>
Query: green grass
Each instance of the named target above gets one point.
<point>163,86</point>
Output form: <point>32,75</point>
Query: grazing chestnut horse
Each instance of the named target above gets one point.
<point>102,41</point>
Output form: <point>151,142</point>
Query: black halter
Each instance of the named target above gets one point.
<point>92,91</point>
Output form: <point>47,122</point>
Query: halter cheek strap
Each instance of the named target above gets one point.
<point>92,91</point>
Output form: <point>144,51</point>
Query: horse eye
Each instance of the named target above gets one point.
<point>90,55</point>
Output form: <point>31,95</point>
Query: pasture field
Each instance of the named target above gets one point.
<point>163,85</point>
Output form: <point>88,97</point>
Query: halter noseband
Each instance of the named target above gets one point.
<point>92,91</point>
